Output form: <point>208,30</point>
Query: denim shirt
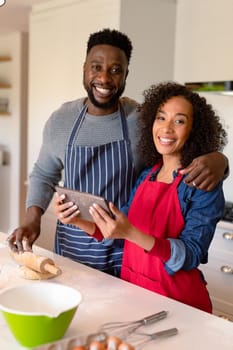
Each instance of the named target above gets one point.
<point>201,211</point>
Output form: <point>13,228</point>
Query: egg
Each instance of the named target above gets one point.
<point>97,345</point>
<point>113,343</point>
<point>126,346</point>
<point>80,347</point>
<point>100,337</point>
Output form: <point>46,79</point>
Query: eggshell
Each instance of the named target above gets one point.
<point>126,346</point>
<point>97,345</point>
<point>113,342</point>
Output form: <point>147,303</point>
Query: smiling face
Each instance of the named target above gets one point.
<point>105,72</point>
<point>172,126</point>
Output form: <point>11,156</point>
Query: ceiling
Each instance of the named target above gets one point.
<point>14,15</point>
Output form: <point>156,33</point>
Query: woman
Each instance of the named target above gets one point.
<point>170,225</point>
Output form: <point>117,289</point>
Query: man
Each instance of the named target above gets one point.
<point>93,140</point>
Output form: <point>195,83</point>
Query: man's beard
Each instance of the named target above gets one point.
<point>111,102</point>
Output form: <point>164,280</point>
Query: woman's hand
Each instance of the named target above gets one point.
<point>119,227</point>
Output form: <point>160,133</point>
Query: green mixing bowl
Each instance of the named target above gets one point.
<point>39,312</point>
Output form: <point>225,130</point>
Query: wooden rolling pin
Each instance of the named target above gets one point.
<point>36,262</point>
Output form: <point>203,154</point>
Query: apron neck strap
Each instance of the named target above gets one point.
<point>81,116</point>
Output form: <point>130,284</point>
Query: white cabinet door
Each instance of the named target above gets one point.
<point>219,270</point>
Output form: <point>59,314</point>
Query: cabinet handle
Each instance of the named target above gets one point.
<point>227,269</point>
<point>228,235</point>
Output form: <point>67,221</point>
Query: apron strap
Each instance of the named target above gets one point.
<point>154,171</point>
<point>81,116</point>
<point>77,125</point>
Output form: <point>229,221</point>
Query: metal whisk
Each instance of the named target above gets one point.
<point>144,338</point>
<point>123,329</point>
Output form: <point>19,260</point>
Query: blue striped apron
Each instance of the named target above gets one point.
<point>106,170</point>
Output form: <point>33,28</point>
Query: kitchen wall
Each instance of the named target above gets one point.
<point>13,129</point>
<point>151,26</point>
<point>224,106</point>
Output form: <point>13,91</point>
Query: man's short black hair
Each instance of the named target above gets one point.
<point>111,37</point>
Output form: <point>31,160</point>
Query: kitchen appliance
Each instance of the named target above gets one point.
<point>220,87</point>
<point>228,212</point>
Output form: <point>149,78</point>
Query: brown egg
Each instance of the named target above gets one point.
<point>126,346</point>
<point>113,343</point>
<point>97,345</point>
<point>79,347</point>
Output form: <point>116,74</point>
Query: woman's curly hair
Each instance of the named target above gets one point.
<point>207,135</point>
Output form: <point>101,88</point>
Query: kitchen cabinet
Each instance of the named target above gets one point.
<point>204,50</point>
<point>107,298</point>
<point>219,270</point>
<point>4,85</point>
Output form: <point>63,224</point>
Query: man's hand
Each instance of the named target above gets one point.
<point>23,237</point>
<point>206,171</point>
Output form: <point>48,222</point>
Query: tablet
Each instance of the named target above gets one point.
<point>83,200</point>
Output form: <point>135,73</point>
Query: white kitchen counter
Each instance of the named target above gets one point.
<point>106,298</point>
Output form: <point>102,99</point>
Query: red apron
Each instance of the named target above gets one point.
<point>156,210</point>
